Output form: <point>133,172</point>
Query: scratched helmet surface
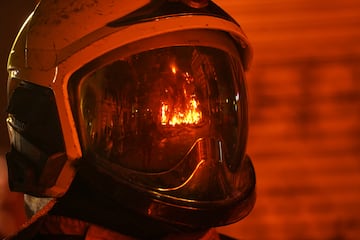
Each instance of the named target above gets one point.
<point>149,101</point>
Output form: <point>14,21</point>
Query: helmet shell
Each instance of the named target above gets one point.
<point>60,37</point>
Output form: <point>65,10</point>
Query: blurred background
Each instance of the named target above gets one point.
<point>304,91</point>
<point>304,94</point>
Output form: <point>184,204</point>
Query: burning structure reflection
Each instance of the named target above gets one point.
<point>149,105</point>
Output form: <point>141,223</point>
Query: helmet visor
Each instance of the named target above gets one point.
<point>149,111</point>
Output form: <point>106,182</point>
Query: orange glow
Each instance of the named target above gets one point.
<point>173,69</point>
<point>189,115</point>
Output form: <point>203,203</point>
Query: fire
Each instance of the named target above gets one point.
<point>190,115</point>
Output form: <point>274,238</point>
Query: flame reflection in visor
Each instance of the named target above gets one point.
<point>148,111</point>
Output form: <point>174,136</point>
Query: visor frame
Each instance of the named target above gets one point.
<point>203,37</point>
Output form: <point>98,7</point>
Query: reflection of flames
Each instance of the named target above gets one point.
<point>191,115</point>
